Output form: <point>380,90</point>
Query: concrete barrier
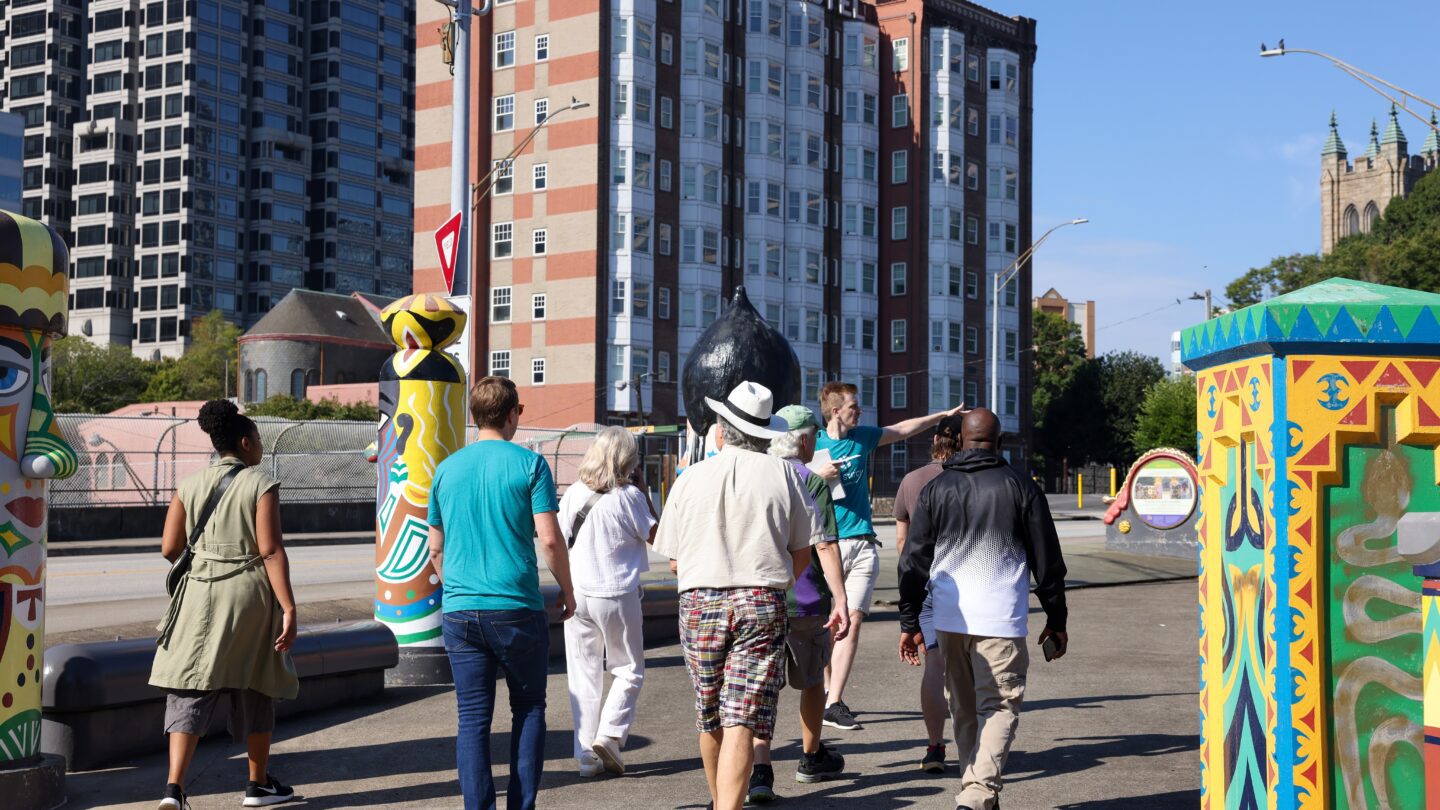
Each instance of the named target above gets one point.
<point>98,706</point>
<point>659,605</point>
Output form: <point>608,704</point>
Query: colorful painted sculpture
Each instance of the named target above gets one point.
<point>1319,420</point>
<point>33,260</point>
<point>422,421</point>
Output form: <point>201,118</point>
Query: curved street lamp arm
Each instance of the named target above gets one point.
<point>487,183</point>
<point>1369,80</point>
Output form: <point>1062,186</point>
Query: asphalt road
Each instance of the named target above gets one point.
<point>1112,726</point>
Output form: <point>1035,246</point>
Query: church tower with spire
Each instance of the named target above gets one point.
<point>1353,196</point>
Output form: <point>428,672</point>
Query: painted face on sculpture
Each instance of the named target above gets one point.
<point>22,511</point>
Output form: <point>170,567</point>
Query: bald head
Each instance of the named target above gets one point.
<point>980,429</point>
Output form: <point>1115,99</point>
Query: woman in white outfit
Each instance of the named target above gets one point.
<point>608,520</point>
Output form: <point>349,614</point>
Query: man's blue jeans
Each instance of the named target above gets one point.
<point>481,645</point>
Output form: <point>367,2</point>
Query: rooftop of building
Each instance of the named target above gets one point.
<point>322,316</point>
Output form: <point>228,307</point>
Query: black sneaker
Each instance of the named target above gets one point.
<point>819,766</point>
<point>762,784</point>
<point>934,761</point>
<point>174,798</point>
<point>272,792</point>
<point>837,715</point>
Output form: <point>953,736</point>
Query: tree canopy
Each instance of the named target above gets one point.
<point>285,406</point>
<point>86,378</point>
<point>1167,416</point>
<point>1402,250</point>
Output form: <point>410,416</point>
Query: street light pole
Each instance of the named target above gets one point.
<point>1206,298</point>
<point>1367,79</point>
<point>1001,279</point>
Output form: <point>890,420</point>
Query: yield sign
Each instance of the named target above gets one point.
<point>447,244</point>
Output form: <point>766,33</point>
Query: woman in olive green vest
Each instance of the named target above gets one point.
<point>232,619</point>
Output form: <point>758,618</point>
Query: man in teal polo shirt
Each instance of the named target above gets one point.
<point>850,445</point>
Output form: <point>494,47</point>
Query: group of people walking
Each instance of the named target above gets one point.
<point>776,559</point>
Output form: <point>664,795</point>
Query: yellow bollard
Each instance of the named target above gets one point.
<point>1080,491</point>
<point>1112,482</point>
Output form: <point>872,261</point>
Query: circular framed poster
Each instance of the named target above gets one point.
<point>1162,492</point>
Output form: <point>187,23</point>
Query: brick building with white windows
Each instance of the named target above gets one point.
<point>860,168</point>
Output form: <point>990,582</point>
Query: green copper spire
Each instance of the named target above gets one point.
<point>1373,150</point>
<point>1333,144</point>
<point>1432,140</point>
<point>1392,132</point>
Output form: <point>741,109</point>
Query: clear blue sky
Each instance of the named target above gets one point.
<point>1160,122</point>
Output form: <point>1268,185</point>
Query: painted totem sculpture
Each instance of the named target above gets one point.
<point>33,304</point>
<point>1319,422</point>
<point>422,421</point>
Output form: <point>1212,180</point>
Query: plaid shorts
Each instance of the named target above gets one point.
<point>734,645</point>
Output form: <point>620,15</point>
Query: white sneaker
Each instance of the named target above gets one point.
<point>608,750</point>
<point>590,766</point>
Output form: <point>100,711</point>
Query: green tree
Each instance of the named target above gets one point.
<point>1063,401</point>
<point>1125,380</point>
<point>1167,417</point>
<point>206,370</point>
<point>284,406</point>
<point>86,378</point>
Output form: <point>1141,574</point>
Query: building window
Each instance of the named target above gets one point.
<point>899,166</point>
<point>504,182</point>
<point>297,383</point>
<point>499,304</point>
<point>972,284</point>
<point>899,223</point>
<point>1012,395</point>
<point>538,241</point>
<point>504,113</point>
<point>540,176</point>
<point>900,110</point>
<point>1010,345</point>
<point>662,305</point>
<point>667,112</point>
<point>500,363</point>
<point>618,297</point>
<point>505,49</point>
<point>662,367</point>
<point>972,394</point>
<point>972,340</point>
<point>972,231</point>
<point>898,401</point>
<point>542,110</point>
<point>897,278</point>
<point>902,55</point>
<point>502,234</point>
<point>542,47</point>
<point>537,371</point>
<point>897,335</point>
<point>537,306</point>
<point>1352,221</point>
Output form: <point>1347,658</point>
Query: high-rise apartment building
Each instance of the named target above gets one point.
<point>12,145</point>
<point>862,169</point>
<point>209,154</point>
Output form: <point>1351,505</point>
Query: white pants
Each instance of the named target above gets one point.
<point>604,631</point>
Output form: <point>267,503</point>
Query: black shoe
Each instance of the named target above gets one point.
<point>272,792</point>
<point>934,761</point>
<point>762,784</point>
<point>174,798</point>
<point>819,766</point>
<point>837,715</point>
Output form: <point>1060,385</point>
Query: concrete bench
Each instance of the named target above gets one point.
<point>99,707</point>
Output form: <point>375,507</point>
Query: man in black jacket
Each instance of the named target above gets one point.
<point>977,533</point>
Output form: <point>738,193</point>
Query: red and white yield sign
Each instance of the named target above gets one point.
<point>447,244</point>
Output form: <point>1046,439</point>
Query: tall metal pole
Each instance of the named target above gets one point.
<point>460,149</point>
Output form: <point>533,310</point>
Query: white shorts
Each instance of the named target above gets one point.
<point>860,565</point>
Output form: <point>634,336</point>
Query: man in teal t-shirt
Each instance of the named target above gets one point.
<point>488,504</point>
<point>850,445</point>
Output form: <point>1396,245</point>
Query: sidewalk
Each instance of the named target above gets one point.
<point>1104,728</point>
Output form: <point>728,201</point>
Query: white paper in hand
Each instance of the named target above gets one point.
<point>822,458</point>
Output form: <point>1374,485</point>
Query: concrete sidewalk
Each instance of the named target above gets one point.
<point>1110,726</point>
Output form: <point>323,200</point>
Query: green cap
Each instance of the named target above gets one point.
<point>797,417</point>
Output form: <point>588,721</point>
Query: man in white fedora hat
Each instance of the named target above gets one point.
<point>739,526</point>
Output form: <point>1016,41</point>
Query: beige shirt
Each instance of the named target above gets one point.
<point>732,520</point>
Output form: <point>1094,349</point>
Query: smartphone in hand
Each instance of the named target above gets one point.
<point>1051,648</point>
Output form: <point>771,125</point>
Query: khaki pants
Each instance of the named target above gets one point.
<point>986,677</point>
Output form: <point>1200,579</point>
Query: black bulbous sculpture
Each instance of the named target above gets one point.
<point>740,345</point>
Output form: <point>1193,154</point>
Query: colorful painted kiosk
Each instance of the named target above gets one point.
<point>1319,420</point>
<point>33,309</point>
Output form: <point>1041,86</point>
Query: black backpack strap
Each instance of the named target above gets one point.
<point>205,513</point>
<point>580,517</point>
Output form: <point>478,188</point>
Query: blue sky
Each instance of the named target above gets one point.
<point>1194,158</point>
